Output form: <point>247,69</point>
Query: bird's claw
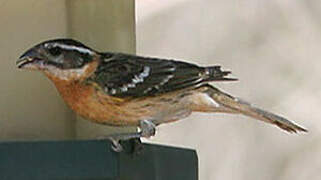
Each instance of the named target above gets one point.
<point>115,144</point>
<point>148,128</point>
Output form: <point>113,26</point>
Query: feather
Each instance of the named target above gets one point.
<point>136,76</point>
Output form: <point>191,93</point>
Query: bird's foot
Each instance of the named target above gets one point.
<point>115,144</point>
<point>147,129</point>
<point>133,146</point>
<point>118,139</point>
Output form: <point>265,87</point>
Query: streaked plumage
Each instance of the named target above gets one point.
<point>128,90</point>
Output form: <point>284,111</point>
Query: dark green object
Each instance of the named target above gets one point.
<point>94,160</point>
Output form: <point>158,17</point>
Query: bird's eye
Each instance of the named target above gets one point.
<point>55,51</point>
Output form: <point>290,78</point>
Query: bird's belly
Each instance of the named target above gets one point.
<point>103,111</point>
<point>162,109</point>
<point>98,107</point>
<point>93,105</point>
<point>170,116</point>
<point>108,111</point>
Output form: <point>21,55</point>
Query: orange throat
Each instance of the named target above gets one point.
<point>90,102</point>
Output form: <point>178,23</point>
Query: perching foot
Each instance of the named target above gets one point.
<point>147,129</point>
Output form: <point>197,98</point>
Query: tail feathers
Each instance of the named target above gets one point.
<point>242,107</point>
<point>257,113</point>
<point>215,73</point>
<point>279,121</point>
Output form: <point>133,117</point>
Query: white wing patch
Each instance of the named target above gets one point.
<point>140,77</point>
<point>165,80</point>
<point>137,79</point>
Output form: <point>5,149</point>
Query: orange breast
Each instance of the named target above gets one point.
<point>88,101</point>
<point>94,105</point>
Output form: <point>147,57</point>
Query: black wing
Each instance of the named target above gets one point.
<point>125,75</point>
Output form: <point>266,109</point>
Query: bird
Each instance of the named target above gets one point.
<point>127,90</point>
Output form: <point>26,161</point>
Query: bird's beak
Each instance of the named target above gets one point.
<point>29,60</point>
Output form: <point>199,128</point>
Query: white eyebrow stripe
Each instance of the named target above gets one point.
<point>70,47</point>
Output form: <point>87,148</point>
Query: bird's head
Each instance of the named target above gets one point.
<point>59,58</point>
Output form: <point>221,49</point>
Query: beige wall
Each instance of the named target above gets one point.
<point>30,107</point>
<point>273,47</point>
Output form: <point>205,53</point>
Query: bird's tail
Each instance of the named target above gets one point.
<point>228,103</point>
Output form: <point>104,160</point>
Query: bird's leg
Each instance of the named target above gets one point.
<point>147,129</point>
<point>116,138</point>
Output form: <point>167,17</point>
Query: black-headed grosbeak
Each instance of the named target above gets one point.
<point>126,90</point>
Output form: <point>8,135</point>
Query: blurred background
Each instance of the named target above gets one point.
<point>273,47</point>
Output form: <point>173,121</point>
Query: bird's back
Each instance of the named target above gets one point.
<point>124,75</point>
